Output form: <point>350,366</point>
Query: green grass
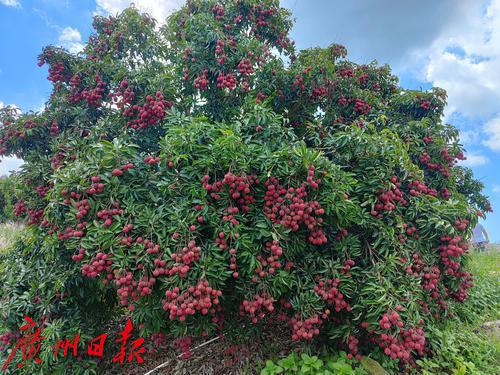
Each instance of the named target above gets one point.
<point>487,263</point>
<point>8,233</point>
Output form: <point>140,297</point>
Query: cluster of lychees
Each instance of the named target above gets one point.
<point>445,193</point>
<point>152,160</point>
<point>30,124</point>
<point>124,96</point>
<point>245,67</point>
<point>465,283</point>
<point>258,99</point>
<point>425,104</point>
<point>201,298</point>
<point>157,339</point>
<point>218,11</point>
<point>418,187</point>
<point>263,14</point>
<point>290,208</point>
<point>415,267</point>
<point>238,188</point>
<point>221,241</point>
<point>83,208</point>
<point>78,257</point>
<point>352,343</point>
<point>389,319</point>
<point>94,96</point>
<point>258,307</point>
<point>401,349</point>
<point>430,281</point>
<point>343,101</point>
<point>160,267</point>
<point>226,81</point>
<point>362,107</point>
<point>448,158</point>
<point>329,292</point>
<point>411,230</point>
<point>42,190</point>
<point>67,233</point>
<point>75,92</point>
<point>230,212</point>
<point>347,267</point>
<point>107,215</point>
<point>363,79</point>
<point>425,159</point>
<point>232,262</point>
<point>35,216</point>
<point>57,160</point>
<point>461,225</point>
<point>145,285</point>
<point>269,265</point>
<point>452,247</point>
<point>220,56</point>
<point>305,329</point>
<point>188,255</point>
<point>401,345</point>
<point>97,186</point>
<point>388,200</point>
<point>20,208</point>
<point>428,139</point>
<point>56,72</point>
<point>119,171</point>
<point>298,83</point>
<point>70,196</point>
<point>101,262</point>
<point>346,73</point>
<point>319,92</point>
<point>201,81</point>
<point>149,114</point>
<point>150,246</point>
<point>126,288</point>
<point>342,233</point>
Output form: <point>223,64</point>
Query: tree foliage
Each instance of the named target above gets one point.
<point>205,171</point>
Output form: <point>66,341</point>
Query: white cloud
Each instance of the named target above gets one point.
<point>68,34</point>
<point>469,137</point>
<point>492,131</point>
<point>465,60</point>
<point>473,88</point>
<point>9,164</point>
<point>155,8</point>
<point>496,189</point>
<point>474,160</point>
<point>11,3</point>
<point>70,38</point>
<point>2,104</point>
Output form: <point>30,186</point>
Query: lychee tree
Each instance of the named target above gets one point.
<point>201,173</point>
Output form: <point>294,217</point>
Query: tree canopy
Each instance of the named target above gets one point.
<point>201,172</point>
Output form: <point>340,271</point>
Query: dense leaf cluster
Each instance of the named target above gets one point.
<point>205,171</point>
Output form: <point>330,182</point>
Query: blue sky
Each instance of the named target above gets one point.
<point>451,44</point>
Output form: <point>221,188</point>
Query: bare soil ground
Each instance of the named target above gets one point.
<point>215,355</point>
